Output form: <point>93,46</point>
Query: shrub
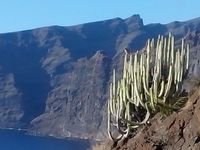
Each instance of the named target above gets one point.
<point>151,83</point>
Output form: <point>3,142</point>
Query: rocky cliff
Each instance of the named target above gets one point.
<point>53,80</point>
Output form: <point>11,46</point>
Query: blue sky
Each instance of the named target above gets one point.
<point>18,15</point>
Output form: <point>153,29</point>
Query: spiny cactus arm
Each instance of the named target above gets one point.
<point>172,50</point>
<point>183,56</point>
<point>179,65</point>
<point>151,99</point>
<point>138,77</point>
<point>152,52</point>
<point>130,81</point>
<point>146,71</point>
<point>110,105</point>
<point>176,70</point>
<point>120,109</point>
<point>137,82</point>
<point>188,56</point>
<point>130,71</point>
<point>114,84</point>
<point>155,87</point>
<point>130,92</point>
<point>168,50</point>
<point>134,96</point>
<point>157,69</point>
<point>120,115</point>
<point>121,102</point>
<point>161,61</point>
<point>127,111</point>
<point>123,84</point>
<point>146,65</point>
<point>132,74</point>
<point>182,65</point>
<point>113,101</point>
<point>157,45</point>
<point>141,66</point>
<point>139,100</point>
<point>121,95</point>
<point>122,129</point>
<point>162,88</point>
<point>169,83</point>
<point>120,136</point>
<point>109,123</point>
<point>134,77</point>
<point>184,59</point>
<point>114,94</point>
<point>125,65</point>
<point>144,81</point>
<point>164,52</point>
<point>135,61</point>
<point>182,44</point>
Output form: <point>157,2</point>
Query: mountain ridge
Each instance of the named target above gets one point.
<point>68,26</point>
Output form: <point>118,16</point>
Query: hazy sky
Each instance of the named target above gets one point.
<point>18,15</point>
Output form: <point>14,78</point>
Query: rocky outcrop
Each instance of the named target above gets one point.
<point>178,131</point>
<point>54,80</point>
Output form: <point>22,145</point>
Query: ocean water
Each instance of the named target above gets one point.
<point>14,140</point>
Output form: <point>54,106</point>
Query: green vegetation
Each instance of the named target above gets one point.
<point>151,83</point>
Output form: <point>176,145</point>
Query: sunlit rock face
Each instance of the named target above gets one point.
<point>54,80</point>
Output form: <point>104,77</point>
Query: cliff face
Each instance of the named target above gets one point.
<point>54,80</point>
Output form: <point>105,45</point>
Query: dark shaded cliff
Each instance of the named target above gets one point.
<point>53,80</point>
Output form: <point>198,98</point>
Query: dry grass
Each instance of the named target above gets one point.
<point>98,147</point>
<point>101,146</point>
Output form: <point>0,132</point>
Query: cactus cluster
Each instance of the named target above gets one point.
<point>151,79</point>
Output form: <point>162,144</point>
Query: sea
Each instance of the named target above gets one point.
<point>18,140</point>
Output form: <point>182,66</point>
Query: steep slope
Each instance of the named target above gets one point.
<point>179,130</point>
<point>54,80</point>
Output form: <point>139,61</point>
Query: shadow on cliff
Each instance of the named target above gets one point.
<point>30,79</point>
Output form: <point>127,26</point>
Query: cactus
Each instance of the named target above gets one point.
<point>150,81</point>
